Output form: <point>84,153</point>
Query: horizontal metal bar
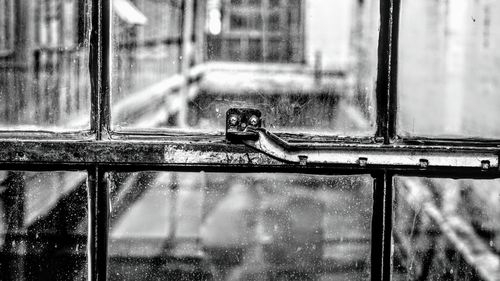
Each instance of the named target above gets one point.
<point>60,133</point>
<point>44,133</point>
<point>416,156</point>
<point>457,141</point>
<point>213,153</point>
<point>173,40</point>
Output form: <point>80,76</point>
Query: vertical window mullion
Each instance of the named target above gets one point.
<point>387,70</point>
<point>98,224</point>
<point>100,78</point>
<point>388,224</point>
<point>381,259</point>
<point>100,68</point>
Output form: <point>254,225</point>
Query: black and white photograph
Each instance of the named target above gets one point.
<point>249,140</point>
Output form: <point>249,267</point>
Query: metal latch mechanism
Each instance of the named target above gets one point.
<point>240,123</point>
<point>244,125</point>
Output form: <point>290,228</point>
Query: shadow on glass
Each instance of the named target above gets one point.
<point>217,226</point>
<point>43,225</point>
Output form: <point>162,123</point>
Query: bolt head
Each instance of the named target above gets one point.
<point>485,165</point>
<point>424,163</point>
<point>254,120</point>
<point>233,120</point>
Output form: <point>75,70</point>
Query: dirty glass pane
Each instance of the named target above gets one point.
<point>309,66</point>
<point>43,226</point>
<point>217,226</point>
<point>449,60</point>
<point>44,74</point>
<point>446,229</point>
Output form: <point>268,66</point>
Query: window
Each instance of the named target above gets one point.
<point>256,31</point>
<point>464,57</point>
<point>45,80</point>
<point>170,198</point>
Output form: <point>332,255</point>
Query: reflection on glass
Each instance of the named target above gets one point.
<point>308,68</point>
<point>43,226</point>
<point>214,226</point>
<point>446,229</point>
<point>449,60</point>
<point>44,75</point>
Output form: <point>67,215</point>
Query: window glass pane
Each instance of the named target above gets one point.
<point>238,21</point>
<point>274,22</point>
<point>255,3</point>
<point>449,60</point>
<point>43,226</point>
<point>275,3</point>
<point>44,57</point>
<point>215,226</point>
<point>255,49</point>
<point>275,50</point>
<point>234,49</point>
<point>446,229</point>
<point>256,24</point>
<point>306,76</point>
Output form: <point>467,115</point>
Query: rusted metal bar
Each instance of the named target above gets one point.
<point>197,152</point>
<point>386,91</point>
<point>100,68</point>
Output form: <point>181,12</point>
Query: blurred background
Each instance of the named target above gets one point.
<point>310,67</point>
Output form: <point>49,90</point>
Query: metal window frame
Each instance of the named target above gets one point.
<point>100,150</point>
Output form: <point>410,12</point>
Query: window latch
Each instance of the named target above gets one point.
<point>244,125</point>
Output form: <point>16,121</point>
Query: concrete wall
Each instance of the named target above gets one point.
<point>449,61</point>
<point>328,26</point>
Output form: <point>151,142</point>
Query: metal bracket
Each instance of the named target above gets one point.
<point>237,122</point>
<point>239,129</point>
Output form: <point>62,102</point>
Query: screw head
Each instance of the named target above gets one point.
<point>303,160</point>
<point>233,120</point>
<point>253,121</point>
<point>424,163</point>
<point>485,165</point>
<point>362,161</point>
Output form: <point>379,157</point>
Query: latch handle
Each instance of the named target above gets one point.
<point>244,125</point>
